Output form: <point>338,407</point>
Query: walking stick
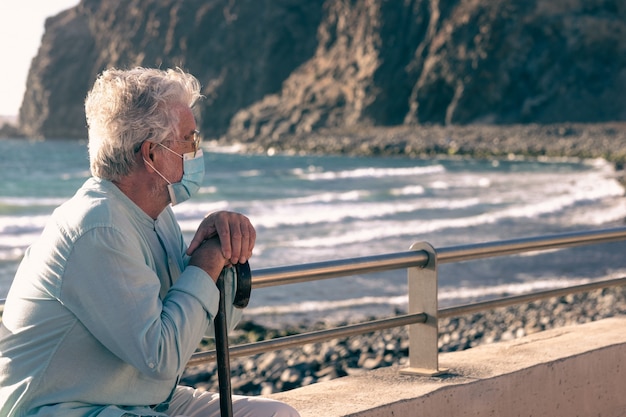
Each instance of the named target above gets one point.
<point>242,296</point>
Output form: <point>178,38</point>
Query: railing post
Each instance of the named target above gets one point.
<point>424,337</point>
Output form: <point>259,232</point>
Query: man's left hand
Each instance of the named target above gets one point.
<point>236,233</point>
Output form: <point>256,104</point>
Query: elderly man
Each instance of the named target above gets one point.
<point>109,304</point>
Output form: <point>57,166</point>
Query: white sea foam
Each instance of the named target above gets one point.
<point>212,146</point>
<point>211,189</point>
<point>317,306</point>
<point>370,173</point>
<point>197,210</point>
<point>12,253</point>
<point>573,196</point>
<point>251,173</point>
<point>82,174</point>
<point>328,214</point>
<point>325,197</point>
<point>18,225</point>
<point>408,190</point>
<point>31,201</point>
<point>610,212</point>
<point>531,284</point>
<point>329,207</point>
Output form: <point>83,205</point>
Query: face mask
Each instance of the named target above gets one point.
<point>193,174</point>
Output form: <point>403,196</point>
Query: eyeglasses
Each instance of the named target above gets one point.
<point>197,139</point>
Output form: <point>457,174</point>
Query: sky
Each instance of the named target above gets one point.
<point>21,29</point>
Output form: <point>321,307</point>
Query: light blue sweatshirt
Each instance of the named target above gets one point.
<point>104,311</point>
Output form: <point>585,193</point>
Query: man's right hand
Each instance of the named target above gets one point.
<point>208,256</point>
<point>236,233</point>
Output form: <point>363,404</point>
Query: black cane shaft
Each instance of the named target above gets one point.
<point>222,355</point>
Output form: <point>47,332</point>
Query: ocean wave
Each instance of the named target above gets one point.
<point>610,212</point>
<point>369,173</point>
<point>213,147</point>
<point>531,284</point>
<point>12,253</point>
<point>574,200</point>
<point>327,207</point>
<point>326,197</point>
<point>194,212</point>
<point>31,201</point>
<point>13,246</point>
<point>361,232</point>
<point>22,224</point>
<point>325,214</point>
<point>460,294</point>
<point>408,190</point>
<point>327,306</point>
<point>355,216</point>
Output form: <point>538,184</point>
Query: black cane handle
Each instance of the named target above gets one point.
<point>244,285</point>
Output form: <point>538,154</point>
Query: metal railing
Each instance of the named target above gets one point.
<point>423,314</point>
<point>421,262</point>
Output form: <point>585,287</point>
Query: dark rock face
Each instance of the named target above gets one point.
<point>240,51</point>
<point>58,79</point>
<point>276,68</point>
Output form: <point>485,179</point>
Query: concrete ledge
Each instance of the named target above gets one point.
<point>571,371</point>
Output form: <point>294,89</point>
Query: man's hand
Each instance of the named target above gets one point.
<point>236,234</point>
<point>208,256</point>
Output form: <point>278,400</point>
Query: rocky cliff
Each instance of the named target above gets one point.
<point>275,68</point>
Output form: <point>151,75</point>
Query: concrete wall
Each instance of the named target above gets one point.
<point>570,371</point>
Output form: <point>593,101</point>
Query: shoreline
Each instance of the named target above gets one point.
<point>286,369</point>
<point>574,140</point>
<point>605,140</point>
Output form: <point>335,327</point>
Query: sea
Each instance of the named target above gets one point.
<point>311,208</point>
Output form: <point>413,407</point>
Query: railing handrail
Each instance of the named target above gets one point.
<point>292,274</point>
<point>529,244</point>
<point>418,258</point>
<point>479,306</point>
<point>337,268</point>
<point>311,337</point>
<point>249,349</point>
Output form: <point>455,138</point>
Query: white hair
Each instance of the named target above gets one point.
<point>127,107</point>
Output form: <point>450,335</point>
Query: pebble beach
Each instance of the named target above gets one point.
<point>286,369</point>
<point>569,140</point>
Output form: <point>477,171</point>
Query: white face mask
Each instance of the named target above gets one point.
<point>193,174</point>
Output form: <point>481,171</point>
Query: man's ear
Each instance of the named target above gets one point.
<point>147,154</point>
<point>147,149</point>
